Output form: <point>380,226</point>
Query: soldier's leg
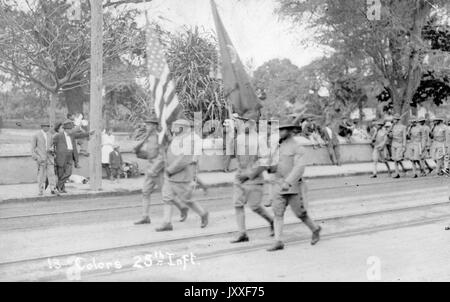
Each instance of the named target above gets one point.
<point>168,196</point>
<point>279,207</point>
<point>375,157</point>
<point>388,167</point>
<point>254,199</point>
<point>403,167</point>
<point>239,200</point>
<point>184,193</point>
<point>397,172</point>
<point>148,188</point>
<point>297,206</point>
<point>337,154</point>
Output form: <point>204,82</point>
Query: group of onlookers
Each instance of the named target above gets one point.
<point>56,153</point>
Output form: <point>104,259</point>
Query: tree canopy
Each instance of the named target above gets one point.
<point>393,47</point>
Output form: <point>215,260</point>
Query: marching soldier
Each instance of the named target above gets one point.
<point>379,140</point>
<point>154,173</point>
<point>249,182</point>
<point>426,150</point>
<point>439,143</point>
<point>289,189</point>
<point>414,149</point>
<point>179,175</point>
<point>398,148</point>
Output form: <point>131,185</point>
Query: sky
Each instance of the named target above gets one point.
<point>255,30</point>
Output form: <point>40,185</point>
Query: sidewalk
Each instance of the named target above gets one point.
<point>29,192</point>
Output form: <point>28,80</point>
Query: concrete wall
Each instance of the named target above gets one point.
<point>22,169</point>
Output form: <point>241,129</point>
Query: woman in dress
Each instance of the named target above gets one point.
<point>108,142</point>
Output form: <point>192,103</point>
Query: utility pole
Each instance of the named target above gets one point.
<point>95,106</point>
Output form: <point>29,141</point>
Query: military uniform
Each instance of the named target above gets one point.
<point>153,179</point>
<point>379,150</point>
<point>438,146</point>
<point>289,170</point>
<point>417,143</point>
<point>154,173</point>
<point>398,141</point>
<point>179,176</point>
<point>250,189</point>
<point>289,188</point>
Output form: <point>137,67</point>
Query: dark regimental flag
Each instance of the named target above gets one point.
<point>167,105</point>
<point>237,87</point>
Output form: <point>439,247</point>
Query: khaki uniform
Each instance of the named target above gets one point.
<point>398,141</point>
<point>438,145</point>
<point>416,144</point>
<point>182,169</point>
<point>289,169</point>
<point>379,150</point>
<point>427,140</point>
<point>154,173</point>
<point>251,191</point>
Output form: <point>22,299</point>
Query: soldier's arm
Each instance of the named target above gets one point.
<point>157,165</point>
<point>179,164</point>
<point>298,169</point>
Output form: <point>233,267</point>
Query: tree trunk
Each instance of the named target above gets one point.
<point>52,108</point>
<point>75,99</point>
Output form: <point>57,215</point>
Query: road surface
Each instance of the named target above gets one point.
<point>380,229</point>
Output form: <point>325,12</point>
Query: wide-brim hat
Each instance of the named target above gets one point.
<point>421,119</point>
<point>288,126</point>
<point>151,120</point>
<point>396,117</point>
<point>68,124</point>
<point>412,120</point>
<point>438,118</point>
<point>182,122</point>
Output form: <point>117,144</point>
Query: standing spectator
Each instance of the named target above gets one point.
<point>108,141</point>
<point>115,163</point>
<point>329,134</point>
<point>64,144</point>
<point>42,153</point>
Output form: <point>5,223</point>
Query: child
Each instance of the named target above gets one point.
<point>115,162</point>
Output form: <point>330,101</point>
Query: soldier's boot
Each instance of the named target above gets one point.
<point>241,238</point>
<point>165,227</point>
<point>278,245</point>
<point>264,214</point>
<point>313,227</point>
<point>183,214</point>
<point>144,220</point>
<point>204,220</point>
<point>316,236</point>
<point>403,167</point>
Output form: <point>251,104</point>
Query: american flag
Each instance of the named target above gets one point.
<point>166,103</point>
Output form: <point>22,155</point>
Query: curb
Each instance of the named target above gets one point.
<point>119,193</point>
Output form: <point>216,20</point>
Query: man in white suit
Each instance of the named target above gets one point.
<point>42,152</point>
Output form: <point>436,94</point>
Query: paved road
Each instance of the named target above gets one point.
<point>101,230</point>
